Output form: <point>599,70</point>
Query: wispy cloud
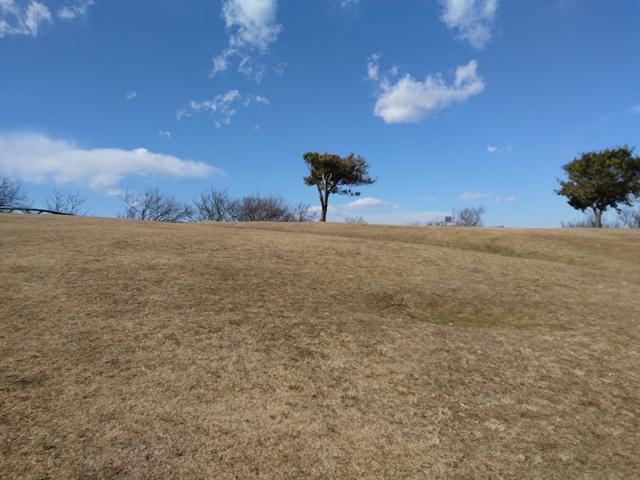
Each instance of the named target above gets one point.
<point>130,95</point>
<point>635,109</point>
<point>24,18</point>
<point>222,107</point>
<point>74,10</point>
<point>359,206</point>
<point>476,196</point>
<point>367,202</point>
<point>466,196</point>
<point>37,158</point>
<point>406,100</point>
<point>472,19</point>
<point>376,210</point>
<point>508,199</point>
<point>166,134</point>
<point>373,67</point>
<point>252,29</point>
<point>494,149</point>
<point>345,4</point>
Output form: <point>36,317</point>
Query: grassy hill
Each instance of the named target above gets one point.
<point>295,351</point>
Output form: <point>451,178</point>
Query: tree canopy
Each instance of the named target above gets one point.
<point>601,180</point>
<point>333,174</point>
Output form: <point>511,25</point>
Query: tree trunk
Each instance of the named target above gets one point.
<point>325,204</point>
<point>597,215</point>
<point>323,214</point>
<point>324,199</point>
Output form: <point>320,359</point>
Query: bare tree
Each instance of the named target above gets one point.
<point>154,206</point>
<point>270,208</point>
<point>70,203</point>
<point>588,221</point>
<point>11,194</point>
<point>626,218</point>
<point>355,220</point>
<point>216,206</point>
<point>469,217</point>
<point>629,218</point>
<point>302,213</point>
<point>439,221</point>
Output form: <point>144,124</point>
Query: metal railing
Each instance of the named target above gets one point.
<point>37,211</point>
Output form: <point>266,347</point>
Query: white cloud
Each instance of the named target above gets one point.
<point>26,17</point>
<point>473,19</point>
<point>78,9</point>
<point>37,13</point>
<point>220,63</point>
<point>252,29</point>
<point>473,195</point>
<point>36,158</point>
<point>373,67</point>
<point>253,22</point>
<point>359,206</point>
<point>183,113</point>
<point>22,18</point>
<point>131,95</point>
<point>494,149</point>
<point>166,134</point>
<point>408,100</point>
<point>375,210</point>
<point>347,3</point>
<point>223,107</point>
<point>366,202</point>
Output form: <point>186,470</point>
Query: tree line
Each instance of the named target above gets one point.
<point>213,206</point>
<point>331,175</point>
<point>594,183</point>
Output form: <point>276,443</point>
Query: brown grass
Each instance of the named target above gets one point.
<point>145,351</point>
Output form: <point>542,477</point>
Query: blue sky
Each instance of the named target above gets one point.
<point>454,103</point>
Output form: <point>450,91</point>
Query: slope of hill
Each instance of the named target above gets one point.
<point>142,351</point>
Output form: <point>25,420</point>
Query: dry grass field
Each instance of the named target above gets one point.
<point>295,351</point>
